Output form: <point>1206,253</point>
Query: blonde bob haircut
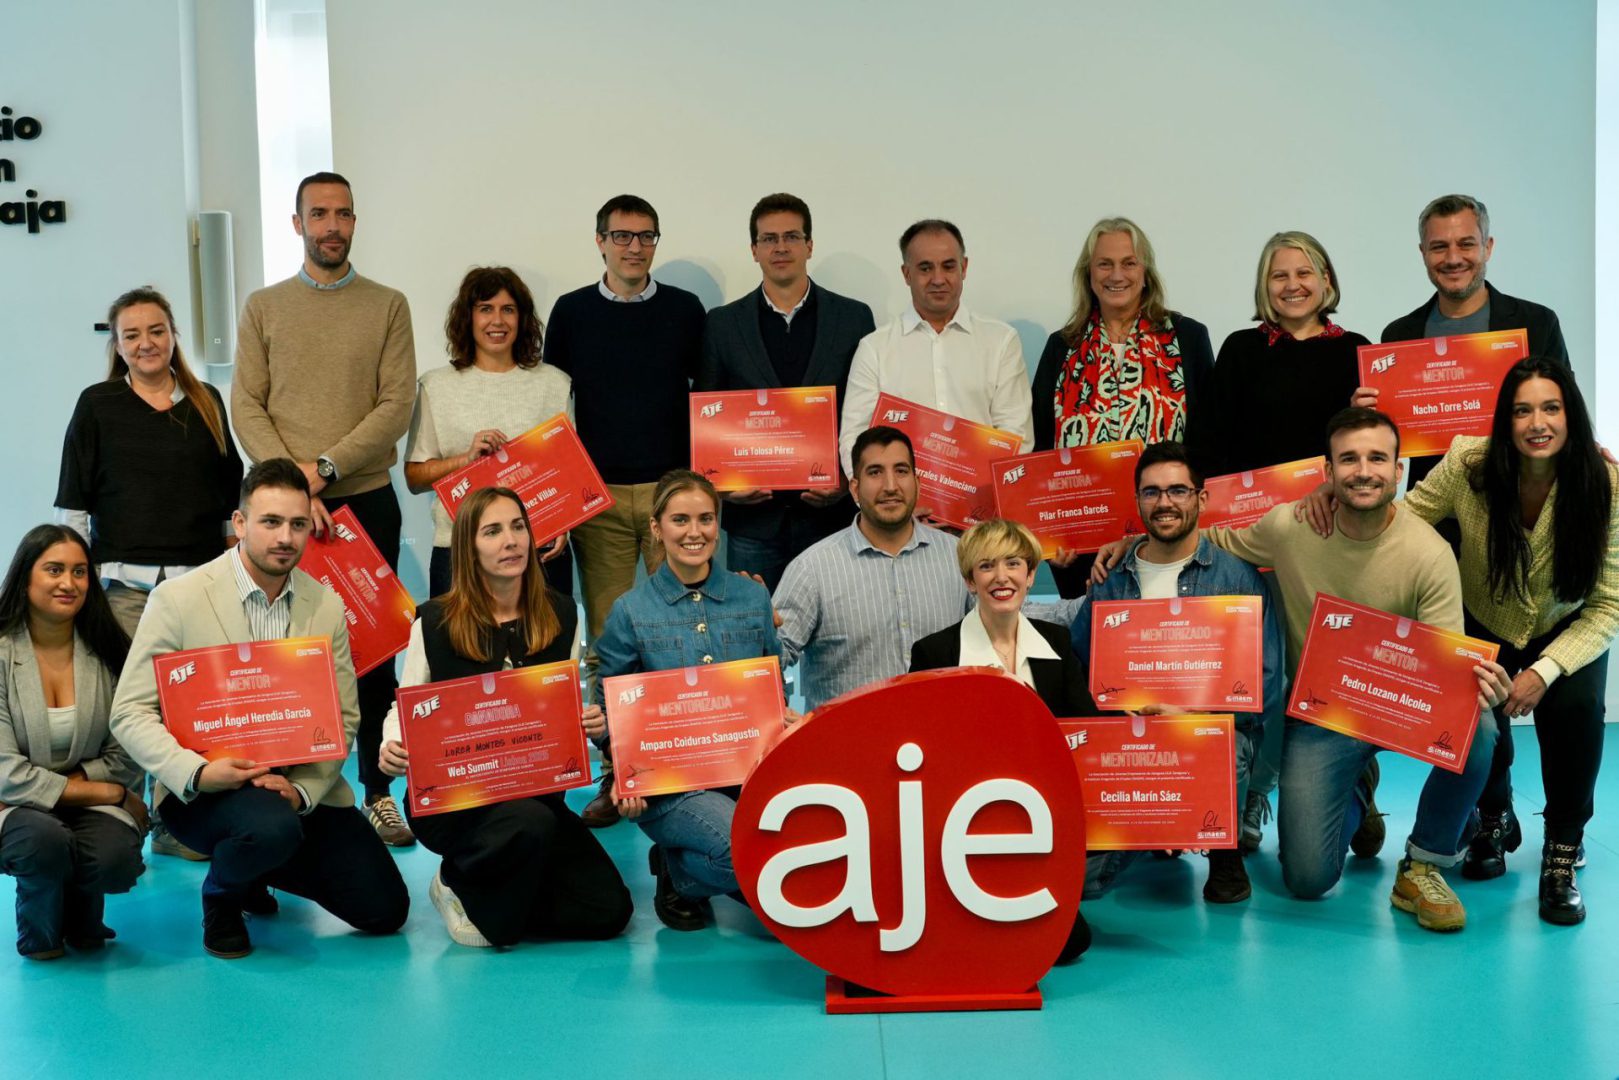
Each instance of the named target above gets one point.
<point>996,538</point>
<point>1299,241</point>
<point>1152,286</point>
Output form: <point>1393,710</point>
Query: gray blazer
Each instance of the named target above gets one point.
<point>26,776</point>
<point>203,608</point>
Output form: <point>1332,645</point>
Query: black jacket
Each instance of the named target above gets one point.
<point>1506,313</point>
<point>1060,682</point>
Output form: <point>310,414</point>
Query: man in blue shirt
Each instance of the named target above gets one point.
<point>1174,559</point>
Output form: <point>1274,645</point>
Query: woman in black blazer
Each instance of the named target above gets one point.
<point>998,559</point>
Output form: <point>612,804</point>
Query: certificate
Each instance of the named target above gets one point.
<point>1193,652</point>
<point>1438,388</point>
<point>952,458</point>
<point>1156,783</point>
<point>1237,500</point>
<point>378,608</point>
<point>1076,499</point>
<point>691,729</point>
<point>550,471</point>
<point>1390,681</point>
<point>780,439</point>
<point>269,702</point>
<point>493,738</point>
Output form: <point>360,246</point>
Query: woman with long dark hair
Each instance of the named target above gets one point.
<point>526,866</point>
<point>1540,576</point>
<point>71,814</point>
<point>149,470</point>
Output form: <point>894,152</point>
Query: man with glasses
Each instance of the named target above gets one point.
<point>1175,559</point>
<point>787,332</point>
<point>631,346</point>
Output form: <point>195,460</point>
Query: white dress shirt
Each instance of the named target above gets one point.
<point>977,651</point>
<point>974,369</point>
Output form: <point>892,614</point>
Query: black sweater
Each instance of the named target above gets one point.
<point>1270,403</point>
<point>156,487</point>
<point>631,365</point>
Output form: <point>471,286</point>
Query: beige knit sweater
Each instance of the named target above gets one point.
<point>325,372</point>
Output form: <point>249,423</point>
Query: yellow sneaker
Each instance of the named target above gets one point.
<point>1421,889</point>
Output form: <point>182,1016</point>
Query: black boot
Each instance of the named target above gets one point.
<point>674,910</point>
<point>1486,855</point>
<point>1560,901</point>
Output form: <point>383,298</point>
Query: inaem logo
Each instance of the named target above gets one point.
<point>182,673</point>
<point>1116,618</point>
<point>1382,364</point>
<point>633,694</point>
<point>460,490</point>
<point>344,533</point>
<point>1014,474</point>
<point>896,416</point>
<point>1337,620</point>
<point>711,409</point>
<point>424,708</point>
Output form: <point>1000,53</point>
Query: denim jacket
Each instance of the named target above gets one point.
<point>1211,572</point>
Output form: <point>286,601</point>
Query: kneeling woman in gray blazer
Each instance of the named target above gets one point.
<point>71,818</point>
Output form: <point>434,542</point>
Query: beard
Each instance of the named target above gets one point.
<point>318,256</point>
<point>1171,532</point>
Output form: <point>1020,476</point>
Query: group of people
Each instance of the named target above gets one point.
<point>165,545</point>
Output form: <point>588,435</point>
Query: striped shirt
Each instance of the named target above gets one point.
<point>850,611</point>
<point>266,620</point>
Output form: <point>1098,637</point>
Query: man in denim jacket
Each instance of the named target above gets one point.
<point>1174,559</point>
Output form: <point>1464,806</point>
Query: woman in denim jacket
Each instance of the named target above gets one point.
<point>688,612</point>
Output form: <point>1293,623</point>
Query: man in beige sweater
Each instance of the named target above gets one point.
<point>326,376</point>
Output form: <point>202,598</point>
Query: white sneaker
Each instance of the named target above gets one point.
<point>462,932</point>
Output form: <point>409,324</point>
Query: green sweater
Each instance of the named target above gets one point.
<point>325,373</point>
<point>1406,570</point>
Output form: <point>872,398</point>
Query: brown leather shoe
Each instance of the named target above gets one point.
<point>601,811</point>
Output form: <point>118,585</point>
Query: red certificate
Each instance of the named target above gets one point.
<point>378,609</point>
<point>270,702</point>
<point>1194,652</point>
<point>1389,681</point>
<point>952,458</point>
<point>1155,783</point>
<point>1240,499</point>
<point>1076,498</point>
<point>783,439</point>
<point>550,471</point>
<point>493,738</point>
<point>1438,388</point>
<point>691,729</point>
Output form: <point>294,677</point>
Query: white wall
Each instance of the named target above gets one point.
<point>1606,278</point>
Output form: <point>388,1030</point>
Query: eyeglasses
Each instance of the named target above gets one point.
<point>1177,493</point>
<point>770,239</point>
<point>622,237</point>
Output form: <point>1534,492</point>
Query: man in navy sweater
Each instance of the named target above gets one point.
<point>631,346</point>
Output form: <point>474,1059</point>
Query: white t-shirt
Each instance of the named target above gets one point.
<point>64,721</point>
<point>1160,581</point>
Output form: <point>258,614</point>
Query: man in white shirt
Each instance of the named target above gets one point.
<point>937,353</point>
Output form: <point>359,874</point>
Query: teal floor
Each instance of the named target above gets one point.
<point>1274,987</point>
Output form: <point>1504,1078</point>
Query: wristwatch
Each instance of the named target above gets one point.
<point>325,469</point>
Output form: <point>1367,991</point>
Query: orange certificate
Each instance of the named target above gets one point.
<point>1193,652</point>
<point>1076,499</point>
<point>378,608</point>
<point>783,439</point>
<point>691,729</point>
<point>952,458</point>
<point>1240,499</point>
<point>1155,783</point>
<point>270,702</point>
<point>1438,388</point>
<point>493,738</point>
<point>550,471</point>
<point>1393,682</point>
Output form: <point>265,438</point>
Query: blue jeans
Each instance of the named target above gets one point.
<point>65,861</point>
<point>1319,811</point>
<point>694,831</point>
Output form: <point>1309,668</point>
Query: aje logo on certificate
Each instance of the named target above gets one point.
<point>1390,681</point>
<point>270,702</point>
<point>1076,499</point>
<point>776,439</point>
<point>1154,783</point>
<point>1193,652</point>
<point>1438,388</point>
<point>378,608</point>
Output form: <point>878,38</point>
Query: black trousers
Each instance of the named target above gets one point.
<point>378,512</point>
<point>330,855</point>
<point>1073,581</point>
<point>528,867</point>
<point>1568,723</point>
<point>66,860</point>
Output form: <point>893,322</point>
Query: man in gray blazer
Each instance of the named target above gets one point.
<point>292,828</point>
<point>787,332</point>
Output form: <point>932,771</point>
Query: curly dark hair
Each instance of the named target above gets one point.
<point>483,283</point>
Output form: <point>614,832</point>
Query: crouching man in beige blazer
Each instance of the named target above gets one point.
<point>294,828</point>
